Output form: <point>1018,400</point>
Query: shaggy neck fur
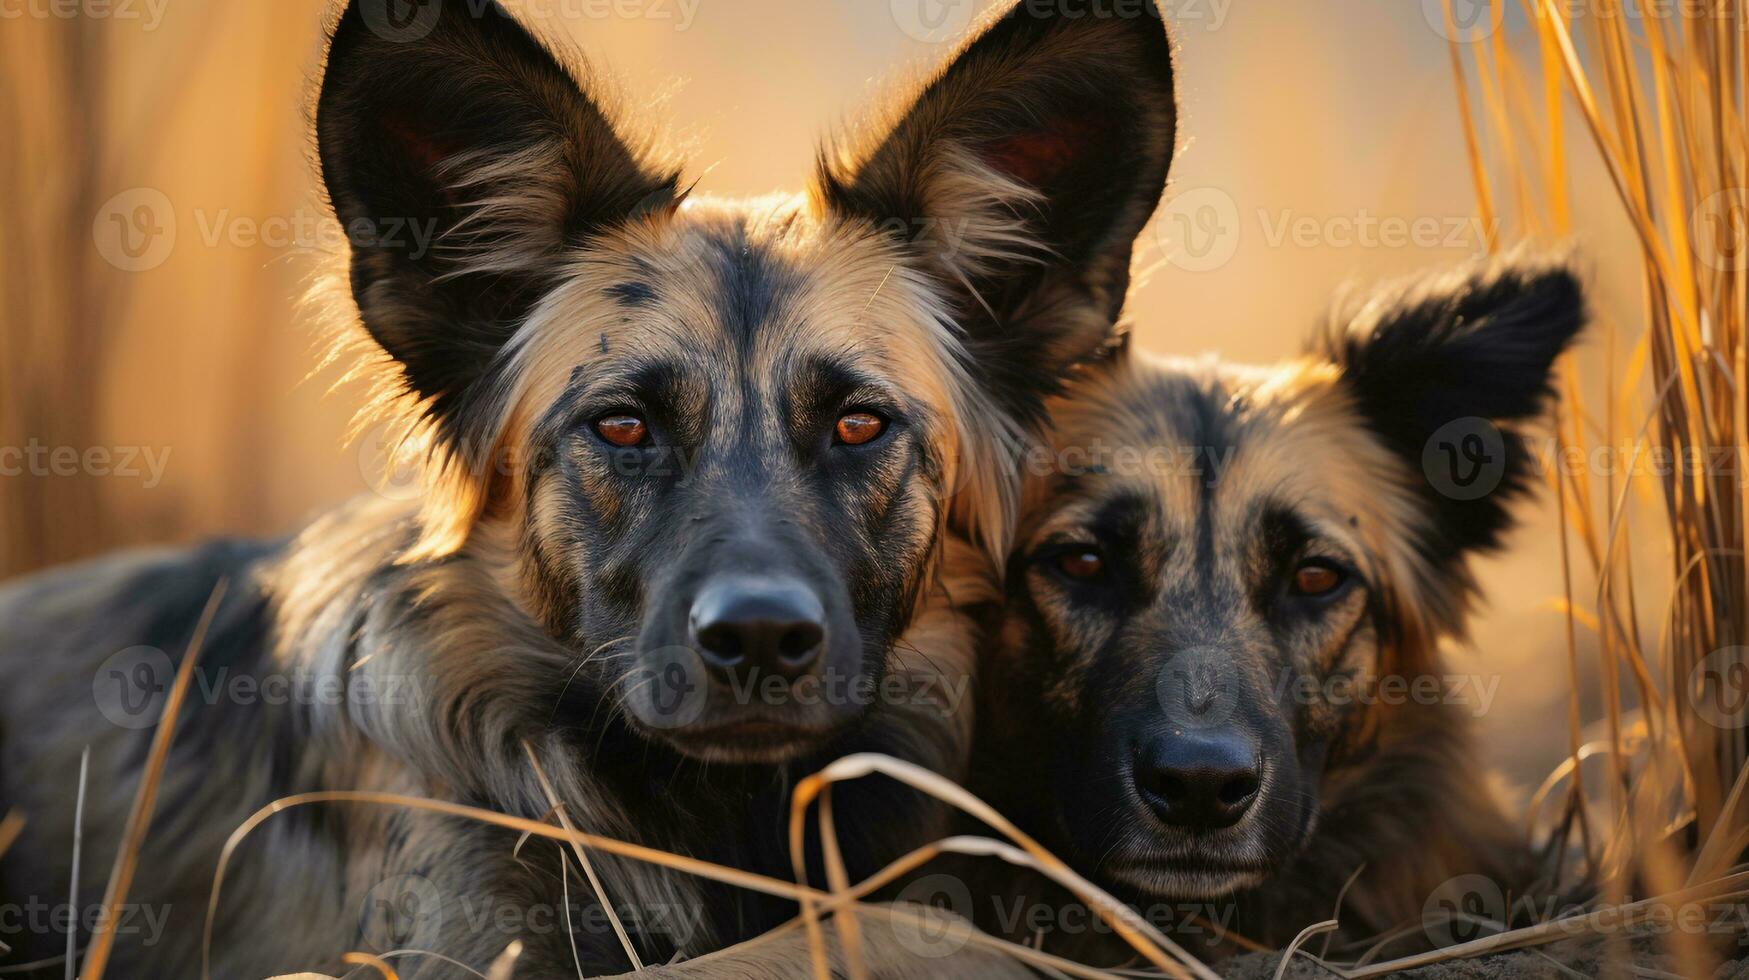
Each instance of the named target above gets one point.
<point>455,722</point>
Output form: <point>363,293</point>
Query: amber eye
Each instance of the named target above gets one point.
<point>1316,580</point>
<point>622,430</point>
<point>1081,563</point>
<point>858,427</point>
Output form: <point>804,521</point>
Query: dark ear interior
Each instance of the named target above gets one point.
<point>460,156</point>
<point>1449,370</point>
<point>1021,175</point>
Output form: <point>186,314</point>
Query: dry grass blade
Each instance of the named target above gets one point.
<point>1484,194</point>
<point>825,902</point>
<point>619,929</point>
<point>838,879</point>
<point>140,815</point>
<point>972,846</point>
<point>693,866</point>
<point>504,967</point>
<point>1293,948</point>
<point>10,827</point>
<point>1146,940</point>
<point>1662,91</point>
<point>1336,910</point>
<point>1726,839</point>
<point>1606,920</point>
<point>375,962</point>
<point>78,853</point>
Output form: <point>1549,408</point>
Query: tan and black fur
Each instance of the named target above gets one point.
<point>950,261</point>
<point>1190,660</point>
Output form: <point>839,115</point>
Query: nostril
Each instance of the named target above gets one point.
<point>800,642</point>
<point>1238,791</point>
<point>723,642</point>
<point>1164,786</point>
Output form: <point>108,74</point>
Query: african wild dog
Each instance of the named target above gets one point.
<point>1221,580</point>
<point>702,477</point>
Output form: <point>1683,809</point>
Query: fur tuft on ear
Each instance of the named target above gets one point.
<point>1448,371</point>
<point>1018,178</point>
<point>462,158</point>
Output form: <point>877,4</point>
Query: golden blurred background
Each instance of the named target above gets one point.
<point>161,218</point>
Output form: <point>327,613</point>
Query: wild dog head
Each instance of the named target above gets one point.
<point>1228,559</point>
<point>721,438</point>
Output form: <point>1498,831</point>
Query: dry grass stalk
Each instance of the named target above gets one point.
<point>140,815</point>
<point>619,929</point>
<point>1153,945</point>
<point>376,963</point>
<point>10,827</point>
<point>1664,109</point>
<point>1147,940</point>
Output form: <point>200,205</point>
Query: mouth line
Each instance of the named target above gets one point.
<point>1190,879</point>
<point>1199,866</point>
<point>744,733</point>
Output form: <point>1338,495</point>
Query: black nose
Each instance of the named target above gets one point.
<point>1199,780</point>
<point>769,625</point>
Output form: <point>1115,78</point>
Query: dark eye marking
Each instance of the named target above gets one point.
<point>651,390</point>
<point>1293,572</point>
<point>1101,561</point>
<point>1123,517</point>
<point>632,293</point>
<point>828,399</point>
<point>1283,536</point>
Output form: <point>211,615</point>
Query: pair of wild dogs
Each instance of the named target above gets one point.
<point>850,377</point>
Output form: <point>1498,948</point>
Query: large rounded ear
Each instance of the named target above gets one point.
<point>1449,371</point>
<point>461,158</point>
<point>1019,178</point>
